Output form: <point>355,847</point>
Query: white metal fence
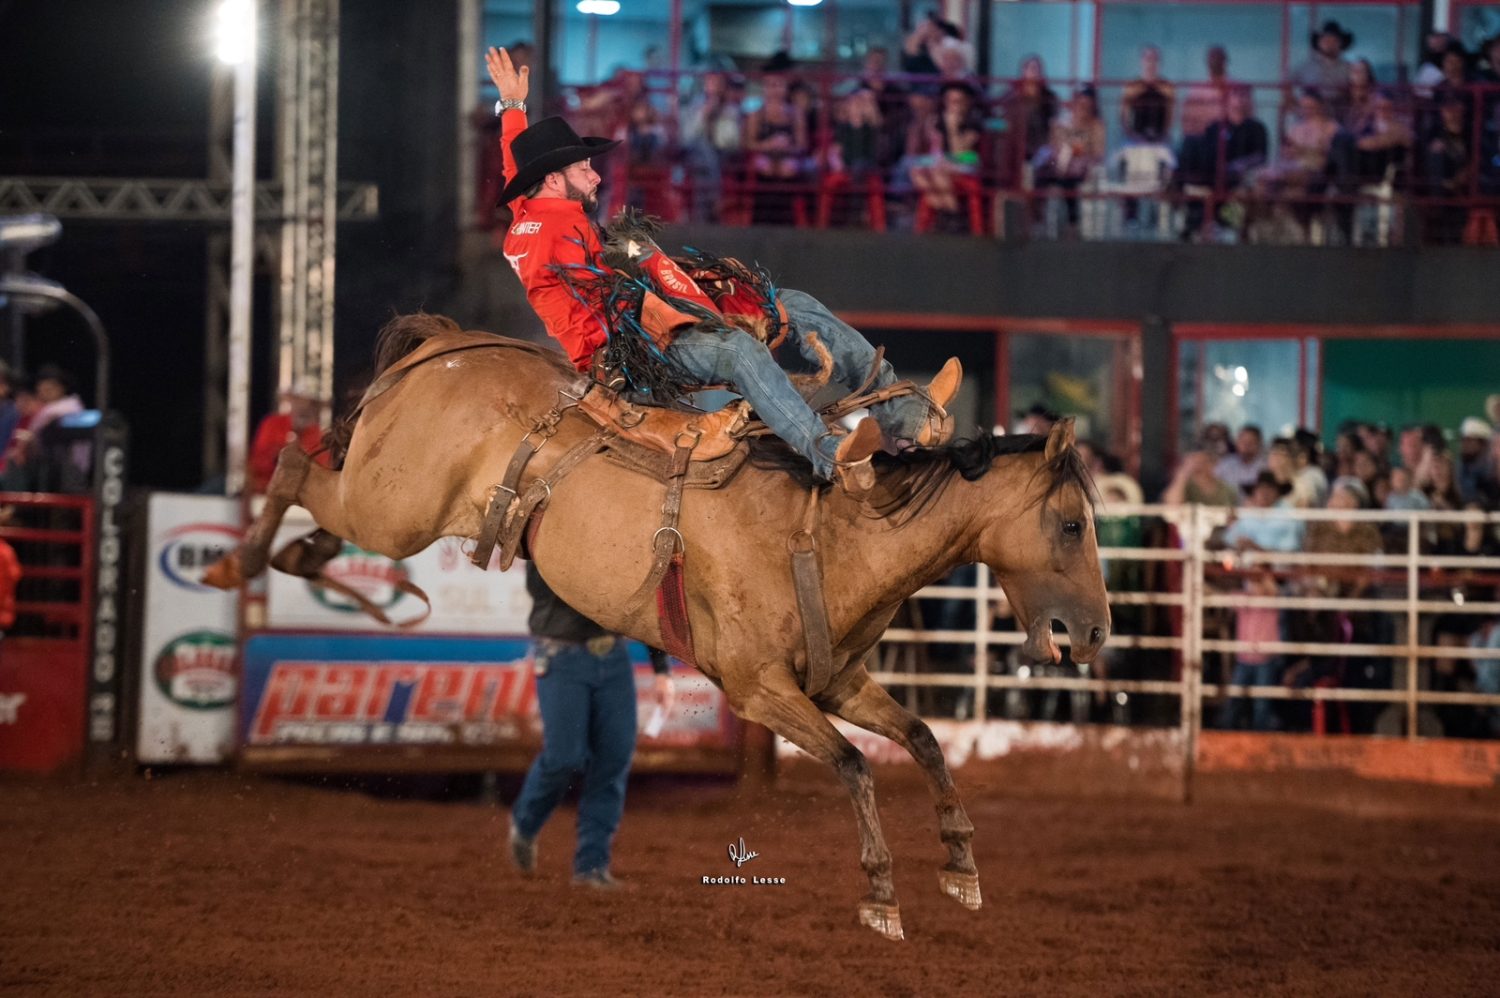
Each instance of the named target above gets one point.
<point>1175,601</point>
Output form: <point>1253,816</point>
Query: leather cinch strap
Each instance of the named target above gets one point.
<point>360,600</point>
<point>505,495</point>
<point>667,541</point>
<point>807,578</point>
<point>527,512</point>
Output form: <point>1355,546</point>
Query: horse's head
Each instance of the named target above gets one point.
<point>1045,554</point>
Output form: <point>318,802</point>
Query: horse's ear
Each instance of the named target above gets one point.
<point>1060,439</point>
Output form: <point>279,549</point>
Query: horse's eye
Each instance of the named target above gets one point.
<point>1073,528</point>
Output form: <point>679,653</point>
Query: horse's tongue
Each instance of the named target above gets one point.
<point>1040,645</point>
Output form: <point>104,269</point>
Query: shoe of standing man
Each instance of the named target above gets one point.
<point>599,880</point>
<point>522,850</point>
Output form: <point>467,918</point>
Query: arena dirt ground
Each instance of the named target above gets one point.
<point>210,884</point>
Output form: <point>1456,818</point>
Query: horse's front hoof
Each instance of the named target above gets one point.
<point>961,887</point>
<point>225,573</point>
<point>883,918</point>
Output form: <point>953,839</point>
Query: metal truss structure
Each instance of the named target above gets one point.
<point>299,212</point>
<point>307,163</point>
<point>307,202</point>
<point>138,199</point>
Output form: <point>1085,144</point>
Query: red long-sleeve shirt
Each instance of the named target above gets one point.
<point>274,433</point>
<point>548,232</point>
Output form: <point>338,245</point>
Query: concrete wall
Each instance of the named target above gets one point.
<point>1182,283</point>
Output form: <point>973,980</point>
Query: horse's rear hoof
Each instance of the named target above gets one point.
<point>225,573</point>
<point>961,887</point>
<point>883,918</point>
<point>306,556</point>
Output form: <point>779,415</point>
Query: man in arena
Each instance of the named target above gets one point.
<point>553,246</point>
<point>585,689</point>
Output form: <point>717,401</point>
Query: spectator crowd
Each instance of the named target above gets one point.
<point>1421,467</point>
<point>916,139</point>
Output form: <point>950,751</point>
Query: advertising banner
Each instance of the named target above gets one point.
<point>109,455</point>
<point>465,599</point>
<point>189,682</point>
<point>340,696</point>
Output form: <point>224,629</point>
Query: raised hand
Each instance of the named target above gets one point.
<point>512,85</point>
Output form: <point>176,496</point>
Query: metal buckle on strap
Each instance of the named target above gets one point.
<point>681,545</point>
<point>693,435</point>
<point>801,541</point>
<point>542,436</point>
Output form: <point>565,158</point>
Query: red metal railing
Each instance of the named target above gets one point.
<point>45,653</point>
<point>1007,191</point>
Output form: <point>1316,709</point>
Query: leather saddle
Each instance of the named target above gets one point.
<point>708,435</point>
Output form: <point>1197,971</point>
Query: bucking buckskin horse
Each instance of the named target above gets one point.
<point>691,533</point>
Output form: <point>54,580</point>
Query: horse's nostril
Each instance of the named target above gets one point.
<point>1096,636</point>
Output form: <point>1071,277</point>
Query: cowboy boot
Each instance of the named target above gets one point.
<point>853,468</point>
<point>728,422</point>
<point>942,390</point>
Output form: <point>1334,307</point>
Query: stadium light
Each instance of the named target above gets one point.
<point>601,7</point>
<point>804,3</point>
<point>234,31</point>
<point>24,233</point>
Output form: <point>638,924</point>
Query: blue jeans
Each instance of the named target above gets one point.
<point>735,357</point>
<point>588,730</point>
<point>853,355</point>
<point>1262,711</point>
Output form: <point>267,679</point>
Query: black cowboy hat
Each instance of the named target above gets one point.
<point>781,62</point>
<point>1267,478</point>
<point>1331,27</point>
<point>51,372</point>
<point>962,85</point>
<point>545,147</point>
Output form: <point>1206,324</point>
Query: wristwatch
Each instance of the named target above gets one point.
<point>503,105</point>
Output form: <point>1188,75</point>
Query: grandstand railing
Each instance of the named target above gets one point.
<point>1201,582</point>
<point>1344,205</point>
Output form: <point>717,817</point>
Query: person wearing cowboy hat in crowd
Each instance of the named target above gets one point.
<point>1325,69</point>
<point>1250,533</point>
<point>552,185</point>
<point>1477,478</point>
<point>300,418</point>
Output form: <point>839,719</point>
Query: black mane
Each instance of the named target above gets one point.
<point>971,457</point>
<point>908,482</point>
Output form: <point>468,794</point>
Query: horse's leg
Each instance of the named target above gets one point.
<point>779,704</point>
<point>296,481</point>
<point>866,703</point>
<point>306,556</point>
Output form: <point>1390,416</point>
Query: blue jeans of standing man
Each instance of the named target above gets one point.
<point>588,730</point>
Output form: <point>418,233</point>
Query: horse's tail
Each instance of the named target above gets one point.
<point>405,333</point>
<point>396,339</point>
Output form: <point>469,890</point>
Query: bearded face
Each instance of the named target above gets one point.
<point>586,196</point>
